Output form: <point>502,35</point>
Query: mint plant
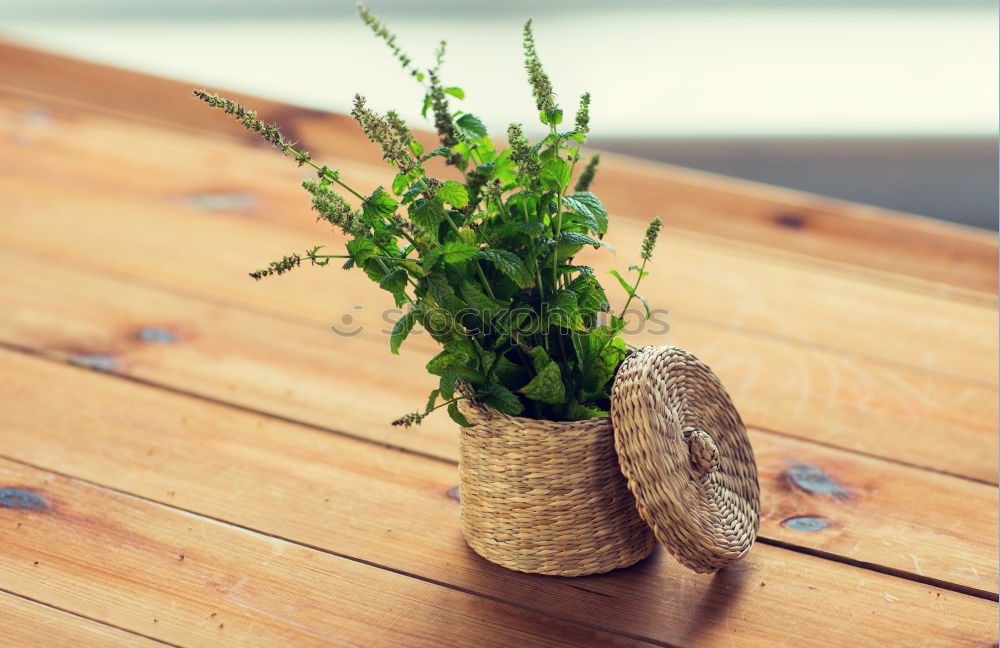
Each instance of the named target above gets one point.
<point>485,264</point>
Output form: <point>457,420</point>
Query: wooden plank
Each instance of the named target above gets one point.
<point>178,243</point>
<point>191,581</point>
<point>868,511</point>
<point>393,509</point>
<point>26,624</point>
<point>287,367</point>
<point>873,499</point>
<point>957,258</point>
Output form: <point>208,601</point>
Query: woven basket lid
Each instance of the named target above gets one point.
<point>684,450</point>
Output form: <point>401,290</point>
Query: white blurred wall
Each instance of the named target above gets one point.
<point>654,68</point>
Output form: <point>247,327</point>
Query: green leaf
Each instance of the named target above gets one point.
<point>577,218</point>
<point>547,386</point>
<point>626,285</point>
<point>428,100</point>
<point>470,126</point>
<point>458,355</point>
<point>412,193</point>
<point>503,168</point>
<point>428,215</point>
<point>441,151</point>
<point>394,281</point>
<point>531,228</point>
<point>431,400</point>
<point>454,193</point>
<point>457,251</point>
<point>592,203</point>
<point>376,271</point>
<point>509,374</point>
<point>401,329</point>
<point>437,321</point>
<point>549,152</point>
<point>399,184</point>
<point>579,412</point>
<point>555,174</point>
<point>457,416</point>
<point>590,294</point>
<point>576,238</point>
<point>575,136</point>
<point>455,92</point>
<point>539,358</point>
<point>447,383</point>
<point>509,264</point>
<point>562,310</point>
<point>523,204</point>
<point>479,301</point>
<point>416,147</point>
<point>444,294</point>
<point>502,399</point>
<point>378,206</point>
<point>412,265</point>
<point>595,220</point>
<point>361,249</point>
<point>430,259</point>
<point>605,352</point>
<point>582,269</point>
<point>645,303</point>
<point>551,116</point>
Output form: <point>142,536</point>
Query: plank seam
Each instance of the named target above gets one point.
<point>882,569</point>
<point>902,574</point>
<point>897,280</point>
<point>867,455</point>
<point>52,357</point>
<point>89,618</point>
<point>311,547</point>
<point>281,315</point>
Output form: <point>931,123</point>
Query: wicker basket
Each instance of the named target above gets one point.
<point>547,497</point>
<point>671,464</point>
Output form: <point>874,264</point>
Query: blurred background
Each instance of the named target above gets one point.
<point>888,102</point>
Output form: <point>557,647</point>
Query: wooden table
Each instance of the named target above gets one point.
<point>193,458</point>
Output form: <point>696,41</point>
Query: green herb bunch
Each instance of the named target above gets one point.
<point>485,265</point>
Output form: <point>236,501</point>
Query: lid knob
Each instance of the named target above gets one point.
<point>703,451</point>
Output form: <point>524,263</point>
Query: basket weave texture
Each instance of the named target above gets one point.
<point>547,497</point>
<point>687,457</point>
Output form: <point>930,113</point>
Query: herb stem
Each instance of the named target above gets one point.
<point>333,175</point>
<point>635,287</point>
<point>555,250</point>
<point>479,268</point>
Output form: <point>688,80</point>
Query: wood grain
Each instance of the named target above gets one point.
<point>177,241</point>
<point>127,229</point>
<point>26,624</point>
<point>958,259</point>
<point>192,581</point>
<point>394,509</point>
<point>288,367</point>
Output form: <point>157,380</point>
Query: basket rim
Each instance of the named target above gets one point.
<point>486,413</point>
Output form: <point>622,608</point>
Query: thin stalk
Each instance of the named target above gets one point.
<point>479,268</point>
<point>631,295</point>
<point>328,173</point>
<point>555,255</point>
